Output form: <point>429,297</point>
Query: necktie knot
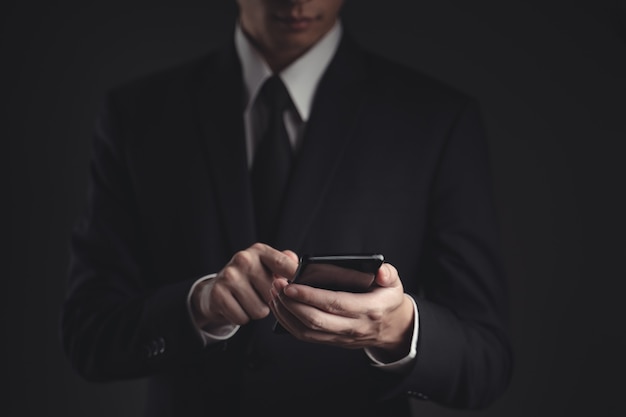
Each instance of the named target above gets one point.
<point>275,94</point>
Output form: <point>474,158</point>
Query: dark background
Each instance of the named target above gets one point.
<point>551,76</point>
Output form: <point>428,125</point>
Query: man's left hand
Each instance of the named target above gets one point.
<point>380,320</point>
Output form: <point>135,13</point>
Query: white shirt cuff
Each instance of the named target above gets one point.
<point>211,335</point>
<point>401,364</point>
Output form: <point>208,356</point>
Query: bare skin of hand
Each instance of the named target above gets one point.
<point>240,292</point>
<point>381,319</point>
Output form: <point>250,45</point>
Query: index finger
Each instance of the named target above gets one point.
<point>278,262</point>
<point>336,302</point>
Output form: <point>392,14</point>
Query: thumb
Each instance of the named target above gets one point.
<point>387,276</point>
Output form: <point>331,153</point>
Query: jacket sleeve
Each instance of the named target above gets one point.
<point>114,324</point>
<point>464,357</point>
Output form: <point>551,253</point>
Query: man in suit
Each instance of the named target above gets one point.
<point>174,278</point>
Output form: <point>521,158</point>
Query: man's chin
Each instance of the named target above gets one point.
<point>295,42</point>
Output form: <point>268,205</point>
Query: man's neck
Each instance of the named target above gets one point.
<point>280,58</point>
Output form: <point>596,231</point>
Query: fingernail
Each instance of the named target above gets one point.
<point>290,290</point>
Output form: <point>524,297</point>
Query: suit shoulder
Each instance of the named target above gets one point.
<point>393,77</point>
<point>175,81</point>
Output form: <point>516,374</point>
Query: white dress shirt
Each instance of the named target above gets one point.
<point>301,79</point>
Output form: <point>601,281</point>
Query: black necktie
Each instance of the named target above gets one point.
<point>272,160</point>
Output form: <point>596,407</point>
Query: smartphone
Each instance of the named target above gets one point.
<point>345,272</point>
<point>353,272</point>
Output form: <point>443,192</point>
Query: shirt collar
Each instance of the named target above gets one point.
<point>301,77</point>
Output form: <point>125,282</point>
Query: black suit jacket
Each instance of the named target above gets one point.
<point>392,162</point>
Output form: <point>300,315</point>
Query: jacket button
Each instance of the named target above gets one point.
<point>160,346</point>
<point>155,347</point>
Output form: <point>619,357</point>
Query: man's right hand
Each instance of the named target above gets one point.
<point>240,292</point>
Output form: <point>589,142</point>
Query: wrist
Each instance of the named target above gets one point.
<point>200,306</point>
<point>199,293</point>
<point>396,341</point>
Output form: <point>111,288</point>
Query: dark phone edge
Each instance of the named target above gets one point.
<point>309,259</point>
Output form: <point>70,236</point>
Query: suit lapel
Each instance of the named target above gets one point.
<point>220,107</point>
<point>328,134</point>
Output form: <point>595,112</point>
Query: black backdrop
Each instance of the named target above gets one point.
<point>551,76</point>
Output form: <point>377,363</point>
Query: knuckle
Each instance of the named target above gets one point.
<point>280,261</point>
<point>315,322</point>
<point>229,274</point>
<point>242,260</point>
<point>335,306</point>
<point>258,246</point>
<point>307,336</point>
<point>355,333</point>
<point>260,313</point>
<point>375,315</point>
